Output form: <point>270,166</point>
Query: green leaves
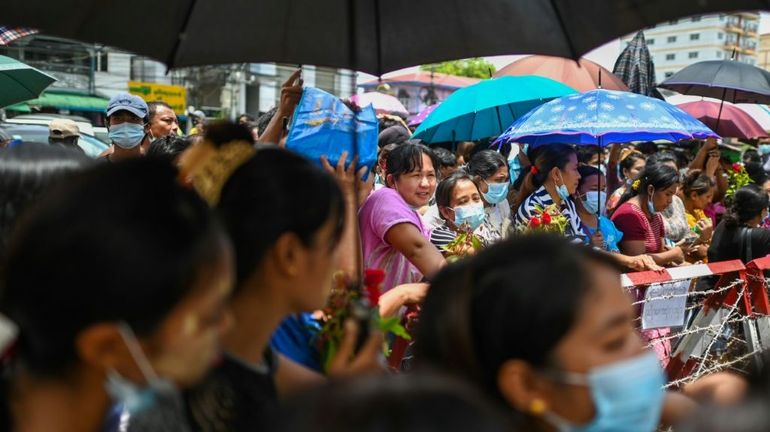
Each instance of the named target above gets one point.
<point>475,67</point>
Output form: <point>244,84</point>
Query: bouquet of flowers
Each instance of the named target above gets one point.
<point>348,301</point>
<point>545,219</point>
<point>737,178</point>
<point>465,244</point>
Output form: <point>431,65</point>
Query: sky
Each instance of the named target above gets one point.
<point>604,55</point>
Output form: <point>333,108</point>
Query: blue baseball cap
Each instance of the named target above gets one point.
<point>127,102</point>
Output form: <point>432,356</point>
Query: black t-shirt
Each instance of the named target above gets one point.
<point>235,396</point>
<point>728,243</point>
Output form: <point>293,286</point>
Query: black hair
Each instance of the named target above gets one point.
<point>486,163</point>
<point>446,188</point>
<point>544,158</point>
<point>445,157</point>
<point>756,172</point>
<point>276,192</point>
<point>249,118</point>
<point>407,158</point>
<point>152,108</point>
<point>587,171</point>
<point>751,155</point>
<point>630,160</point>
<point>660,176</point>
<point>748,203</point>
<point>405,403</point>
<point>25,172</point>
<point>105,257</point>
<point>647,147</point>
<point>662,157</point>
<point>697,181</point>
<point>586,153</point>
<point>223,132</point>
<point>168,147</point>
<point>264,120</point>
<point>514,300</point>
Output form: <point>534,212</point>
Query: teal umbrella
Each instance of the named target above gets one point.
<point>20,82</point>
<point>486,109</point>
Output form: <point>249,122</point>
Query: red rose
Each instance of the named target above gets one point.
<point>535,222</point>
<point>737,167</point>
<point>546,218</point>
<point>372,280</point>
<point>373,293</point>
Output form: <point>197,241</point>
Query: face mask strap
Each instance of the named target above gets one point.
<point>565,377</point>
<point>129,338</point>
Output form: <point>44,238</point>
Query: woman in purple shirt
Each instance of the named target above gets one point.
<point>393,235</point>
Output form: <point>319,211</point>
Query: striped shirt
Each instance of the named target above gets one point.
<point>542,198</point>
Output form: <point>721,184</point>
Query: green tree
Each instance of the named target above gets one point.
<point>475,67</point>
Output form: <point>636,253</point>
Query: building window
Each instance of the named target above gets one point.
<point>650,41</point>
<point>673,22</point>
<point>721,17</point>
<point>668,74</point>
<point>404,98</point>
<point>671,39</point>
<point>670,57</point>
<point>695,18</point>
<point>695,36</point>
<point>692,55</point>
<point>102,64</point>
<point>719,54</point>
<point>720,35</point>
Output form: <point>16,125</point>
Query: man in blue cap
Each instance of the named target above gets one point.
<point>127,118</point>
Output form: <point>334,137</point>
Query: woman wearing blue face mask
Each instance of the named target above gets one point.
<point>638,214</point>
<point>545,328</point>
<point>490,172</point>
<point>462,209</point>
<point>129,305</point>
<point>552,179</point>
<point>591,204</point>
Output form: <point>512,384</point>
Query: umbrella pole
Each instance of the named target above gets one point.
<point>719,114</point>
<point>454,142</point>
<point>599,207</point>
<point>499,122</point>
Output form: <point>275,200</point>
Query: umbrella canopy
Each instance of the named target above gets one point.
<point>582,75</point>
<point>726,80</point>
<point>635,67</point>
<point>20,82</point>
<point>485,109</point>
<point>422,115</point>
<point>760,114</point>
<point>382,103</point>
<point>603,117</point>
<point>365,35</point>
<point>733,122</point>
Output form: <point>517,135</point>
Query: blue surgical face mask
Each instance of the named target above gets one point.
<point>471,214</point>
<point>562,190</point>
<point>496,192</point>
<point>135,398</point>
<point>628,396</point>
<point>127,135</point>
<point>650,203</point>
<point>596,201</point>
<point>764,149</point>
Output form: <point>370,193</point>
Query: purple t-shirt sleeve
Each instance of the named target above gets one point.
<point>388,210</point>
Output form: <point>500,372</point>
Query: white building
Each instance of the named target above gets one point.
<point>680,43</point>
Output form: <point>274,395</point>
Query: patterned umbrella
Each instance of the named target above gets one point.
<point>420,117</point>
<point>636,68</point>
<point>603,117</point>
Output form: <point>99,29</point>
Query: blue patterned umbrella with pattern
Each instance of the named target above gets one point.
<point>604,117</point>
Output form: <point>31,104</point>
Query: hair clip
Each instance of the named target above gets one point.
<point>533,170</point>
<point>635,185</point>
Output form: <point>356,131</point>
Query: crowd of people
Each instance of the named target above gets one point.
<point>179,283</point>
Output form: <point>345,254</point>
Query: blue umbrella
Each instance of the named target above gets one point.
<point>603,117</point>
<point>485,109</point>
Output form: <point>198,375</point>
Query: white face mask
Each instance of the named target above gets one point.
<point>133,397</point>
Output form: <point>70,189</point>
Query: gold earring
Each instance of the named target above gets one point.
<point>537,407</point>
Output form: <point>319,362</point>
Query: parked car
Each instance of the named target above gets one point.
<point>39,133</point>
<point>83,123</point>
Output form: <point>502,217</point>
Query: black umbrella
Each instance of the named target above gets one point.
<point>636,68</point>
<point>388,35</point>
<point>726,80</point>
